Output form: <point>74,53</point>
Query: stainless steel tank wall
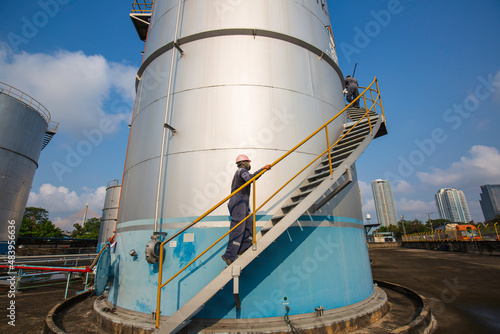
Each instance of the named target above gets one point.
<point>232,94</point>
<point>109,213</point>
<point>283,16</point>
<point>22,130</point>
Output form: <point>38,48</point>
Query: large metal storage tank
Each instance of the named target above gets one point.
<point>249,81</point>
<point>109,213</point>
<point>25,129</point>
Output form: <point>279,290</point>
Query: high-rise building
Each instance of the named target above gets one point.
<point>384,202</point>
<point>490,200</point>
<point>452,205</point>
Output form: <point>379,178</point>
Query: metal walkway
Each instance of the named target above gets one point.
<point>314,192</point>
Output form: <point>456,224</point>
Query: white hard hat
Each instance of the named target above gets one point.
<point>242,157</point>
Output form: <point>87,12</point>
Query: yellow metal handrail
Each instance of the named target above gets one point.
<point>374,100</point>
<point>142,6</point>
<point>30,102</point>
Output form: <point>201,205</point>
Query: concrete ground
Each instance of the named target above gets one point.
<point>463,291</point>
<point>33,304</point>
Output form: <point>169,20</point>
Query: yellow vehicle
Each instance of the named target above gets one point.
<point>464,232</point>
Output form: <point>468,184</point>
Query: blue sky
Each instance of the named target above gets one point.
<point>438,65</point>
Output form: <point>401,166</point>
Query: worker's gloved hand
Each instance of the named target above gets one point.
<point>268,167</point>
<point>344,91</point>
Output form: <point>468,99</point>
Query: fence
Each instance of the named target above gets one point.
<point>476,233</point>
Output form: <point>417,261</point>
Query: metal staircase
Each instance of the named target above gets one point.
<point>141,17</point>
<point>319,187</point>
<point>47,138</point>
<point>330,175</point>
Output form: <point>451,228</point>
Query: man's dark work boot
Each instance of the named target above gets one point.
<point>228,262</point>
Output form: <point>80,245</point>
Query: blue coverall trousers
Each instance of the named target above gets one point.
<point>240,239</point>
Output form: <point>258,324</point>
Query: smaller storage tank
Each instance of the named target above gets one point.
<point>25,129</point>
<point>109,212</point>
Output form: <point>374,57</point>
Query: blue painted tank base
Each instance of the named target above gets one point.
<point>305,267</point>
<point>320,266</point>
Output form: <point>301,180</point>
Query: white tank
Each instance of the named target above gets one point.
<point>109,212</point>
<point>25,129</point>
<point>243,77</point>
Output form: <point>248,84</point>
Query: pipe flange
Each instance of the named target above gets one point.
<point>153,251</point>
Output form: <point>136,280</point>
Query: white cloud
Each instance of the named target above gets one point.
<point>61,202</point>
<point>67,224</point>
<point>416,207</point>
<point>478,168</point>
<point>366,195</point>
<point>367,201</point>
<point>403,187</point>
<point>74,87</point>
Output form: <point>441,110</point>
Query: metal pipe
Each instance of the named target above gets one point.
<point>254,211</point>
<point>48,256</point>
<point>381,106</point>
<point>158,293</point>
<point>329,151</point>
<point>67,286</point>
<point>75,270</point>
<point>18,280</point>
<point>31,274</point>
<point>169,93</point>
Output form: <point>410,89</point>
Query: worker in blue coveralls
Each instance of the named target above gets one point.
<point>351,85</point>
<point>240,239</point>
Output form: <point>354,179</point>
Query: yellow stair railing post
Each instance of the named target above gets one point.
<point>254,211</point>
<point>478,230</point>
<point>329,151</point>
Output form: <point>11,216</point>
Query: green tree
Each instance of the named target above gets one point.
<point>395,229</point>
<point>411,226</point>
<point>36,223</point>
<point>495,219</point>
<point>90,230</point>
<point>437,223</point>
